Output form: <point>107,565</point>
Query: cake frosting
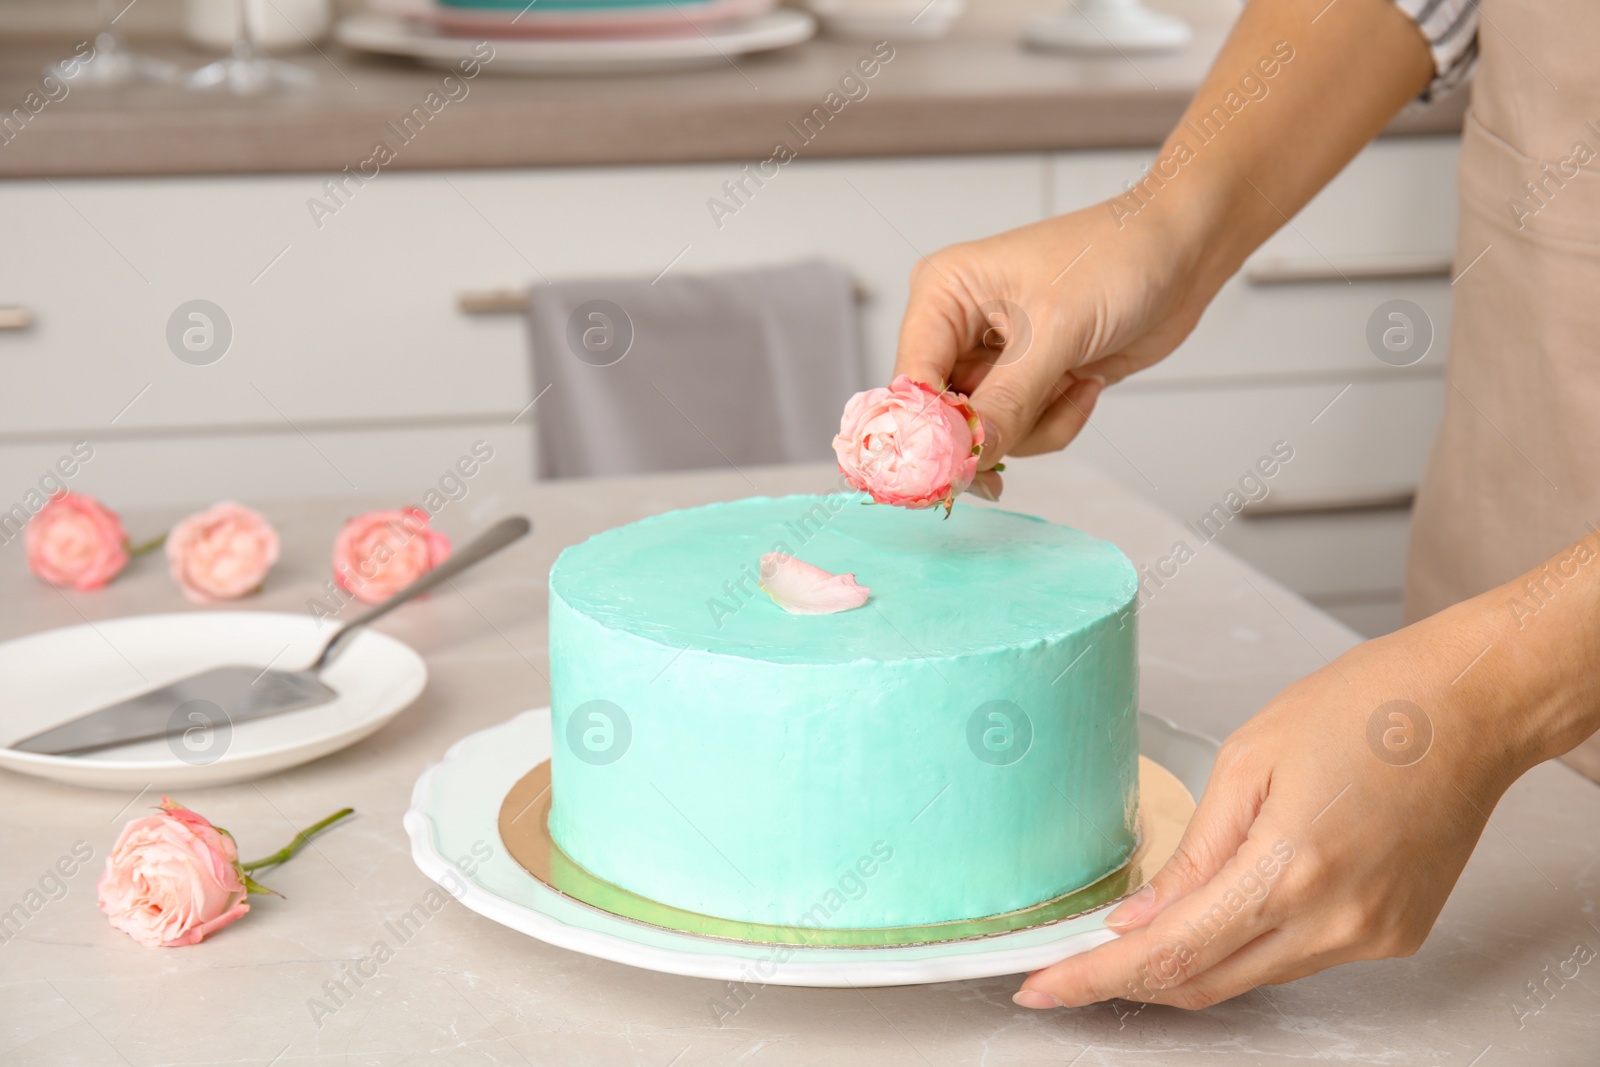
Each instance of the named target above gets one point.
<point>965,744</point>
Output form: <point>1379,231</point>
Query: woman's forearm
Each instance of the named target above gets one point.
<point>1298,89</point>
<point>1536,680</point>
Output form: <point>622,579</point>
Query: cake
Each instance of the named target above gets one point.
<point>963,745</point>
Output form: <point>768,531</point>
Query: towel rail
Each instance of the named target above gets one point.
<point>515,301</point>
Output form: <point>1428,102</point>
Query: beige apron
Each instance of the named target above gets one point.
<point>1515,471</point>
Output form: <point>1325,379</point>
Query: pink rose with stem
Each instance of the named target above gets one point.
<point>76,542</point>
<point>913,446</point>
<point>173,878</point>
<point>380,553</point>
<point>221,553</point>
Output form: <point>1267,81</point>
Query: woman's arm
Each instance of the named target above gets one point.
<point>1338,819</point>
<point>1298,89</point>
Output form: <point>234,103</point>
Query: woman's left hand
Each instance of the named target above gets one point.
<point>1335,825</point>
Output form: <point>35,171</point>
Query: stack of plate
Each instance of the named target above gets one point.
<point>575,36</point>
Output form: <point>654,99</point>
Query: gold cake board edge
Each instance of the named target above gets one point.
<point>1165,807</point>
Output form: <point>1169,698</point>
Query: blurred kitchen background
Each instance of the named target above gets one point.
<point>367,343</point>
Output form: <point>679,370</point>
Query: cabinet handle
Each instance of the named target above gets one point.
<point>515,301</point>
<point>492,302</point>
<point>15,318</point>
<point>1296,271</point>
<point>1278,506</point>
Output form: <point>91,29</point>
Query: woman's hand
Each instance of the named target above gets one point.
<point>1335,824</point>
<point>1033,323</point>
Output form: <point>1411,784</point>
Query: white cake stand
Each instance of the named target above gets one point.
<point>453,822</point>
<point>1107,26</point>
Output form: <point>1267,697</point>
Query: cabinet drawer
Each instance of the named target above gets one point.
<point>1196,451</point>
<point>1262,333</point>
<point>1188,448</point>
<point>1383,230</point>
<point>348,322</point>
<point>1333,556</point>
<point>1396,198</point>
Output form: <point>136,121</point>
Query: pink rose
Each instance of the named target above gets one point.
<point>221,553</point>
<point>172,879</point>
<point>910,444</point>
<point>76,541</point>
<point>380,553</point>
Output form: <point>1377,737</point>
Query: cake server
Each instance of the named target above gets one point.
<point>243,692</point>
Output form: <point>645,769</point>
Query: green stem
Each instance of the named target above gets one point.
<point>284,854</point>
<point>148,546</point>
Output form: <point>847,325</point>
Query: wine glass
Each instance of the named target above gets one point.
<point>110,62</point>
<point>247,72</point>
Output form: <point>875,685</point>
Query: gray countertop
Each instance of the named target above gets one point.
<point>1216,642</point>
<point>975,91</point>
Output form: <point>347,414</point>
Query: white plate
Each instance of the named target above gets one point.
<point>533,21</point>
<point>60,674</point>
<point>713,45</point>
<point>455,811</point>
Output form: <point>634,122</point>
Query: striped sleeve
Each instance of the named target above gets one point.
<point>1451,27</point>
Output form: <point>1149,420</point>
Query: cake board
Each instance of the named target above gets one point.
<point>454,822</point>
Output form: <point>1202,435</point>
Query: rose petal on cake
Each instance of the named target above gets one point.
<point>802,589</point>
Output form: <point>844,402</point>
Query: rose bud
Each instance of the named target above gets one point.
<point>910,445</point>
<point>380,553</point>
<point>221,553</point>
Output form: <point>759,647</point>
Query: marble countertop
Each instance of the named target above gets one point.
<point>977,90</point>
<point>1217,641</point>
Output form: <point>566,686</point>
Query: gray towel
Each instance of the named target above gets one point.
<point>692,371</point>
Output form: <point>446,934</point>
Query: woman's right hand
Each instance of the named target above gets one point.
<point>1085,299</point>
<point>1033,323</point>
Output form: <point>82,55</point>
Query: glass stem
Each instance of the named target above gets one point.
<point>244,45</point>
<point>109,38</point>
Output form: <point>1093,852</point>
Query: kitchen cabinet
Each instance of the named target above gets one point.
<point>346,337</point>
<point>350,367</point>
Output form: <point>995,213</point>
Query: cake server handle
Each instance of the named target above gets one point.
<point>479,548</point>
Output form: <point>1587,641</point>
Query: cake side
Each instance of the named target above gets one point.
<point>804,779</point>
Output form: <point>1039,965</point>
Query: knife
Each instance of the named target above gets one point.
<point>226,696</point>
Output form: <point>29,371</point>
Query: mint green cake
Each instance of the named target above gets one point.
<point>963,745</point>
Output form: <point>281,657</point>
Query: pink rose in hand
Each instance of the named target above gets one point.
<point>221,553</point>
<point>172,879</point>
<point>910,444</point>
<point>77,542</point>
<point>380,553</point>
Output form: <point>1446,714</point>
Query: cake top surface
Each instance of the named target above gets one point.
<point>981,580</point>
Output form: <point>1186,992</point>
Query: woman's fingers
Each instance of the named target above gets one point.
<point>1213,837</point>
<point>987,485</point>
<point>1270,959</point>
<point>1011,398</point>
<point>1280,955</point>
<point>1062,420</point>
<point>1184,942</point>
<point>933,333</point>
